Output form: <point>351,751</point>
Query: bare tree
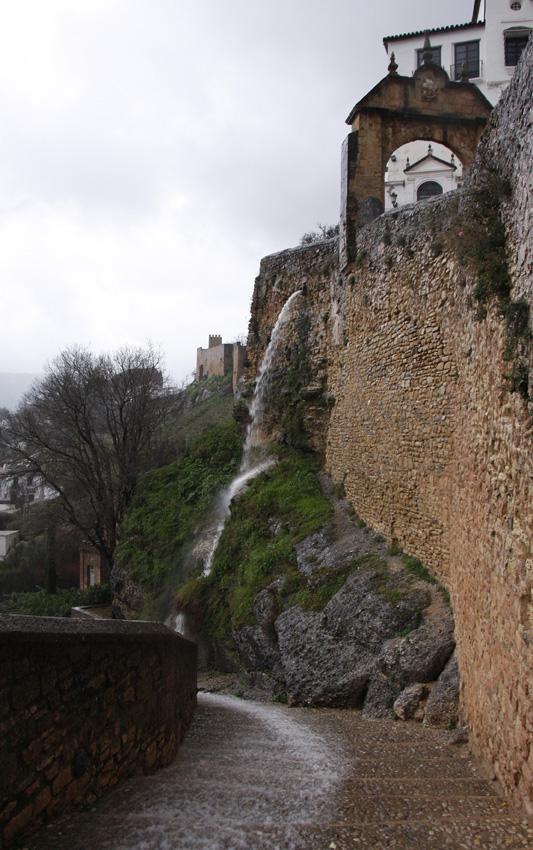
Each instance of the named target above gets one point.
<point>325,231</point>
<point>90,428</point>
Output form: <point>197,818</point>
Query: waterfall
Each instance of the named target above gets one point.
<point>206,546</point>
<point>248,471</point>
<point>261,388</point>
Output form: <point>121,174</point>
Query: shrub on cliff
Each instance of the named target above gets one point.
<point>325,231</point>
<point>171,501</point>
<point>279,508</point>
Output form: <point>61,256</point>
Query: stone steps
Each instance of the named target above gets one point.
<point>253,776</point>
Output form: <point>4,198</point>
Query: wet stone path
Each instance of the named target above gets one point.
<point>256,776</point>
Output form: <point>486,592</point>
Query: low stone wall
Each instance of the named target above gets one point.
<point>85,703</point>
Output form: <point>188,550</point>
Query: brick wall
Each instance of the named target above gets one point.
<point>84,704</point>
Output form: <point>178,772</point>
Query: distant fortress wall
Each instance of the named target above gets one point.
<point>220,359</point>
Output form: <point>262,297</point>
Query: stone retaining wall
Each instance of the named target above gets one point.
<point>85,703</point>
<point>432,446</point>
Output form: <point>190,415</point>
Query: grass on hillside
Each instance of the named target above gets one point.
<point>196,414</point>
<point>280,507</point>
<point>172,501</point>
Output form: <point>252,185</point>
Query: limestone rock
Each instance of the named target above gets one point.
<point>442,707</point>
<point>422,654</point>
<point>408,703</point>
<point>331,658</point>
<point>128,595</point>
<point>319,668</point>
<point>257,644</point>
<point>380,697</point>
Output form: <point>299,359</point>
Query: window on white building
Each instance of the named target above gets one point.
<point>435,56</point>
<point>515,40</point>
<point>466,55</point>
<point>428,190</point>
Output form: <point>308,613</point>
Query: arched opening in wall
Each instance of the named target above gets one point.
<point>419,170</point>
<point>428,189</point>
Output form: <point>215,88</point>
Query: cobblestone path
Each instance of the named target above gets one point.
<point>255,776</point>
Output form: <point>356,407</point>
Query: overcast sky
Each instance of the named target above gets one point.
<point>152,151</point>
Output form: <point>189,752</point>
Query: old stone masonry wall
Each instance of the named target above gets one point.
<point>85,703</point>
<point>431,440</point>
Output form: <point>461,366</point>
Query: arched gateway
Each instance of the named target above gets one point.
<point>398,110</point>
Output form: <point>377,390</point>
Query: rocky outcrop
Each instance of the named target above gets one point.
<point>442,707</point>
<point>382,631</point>
<point>128,595</point>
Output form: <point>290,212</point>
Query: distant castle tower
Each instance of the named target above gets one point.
<point>220,359</point>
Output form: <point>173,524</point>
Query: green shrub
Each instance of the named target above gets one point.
<point>170,503</point>
<point>42,604</point>
<point>415,567</point>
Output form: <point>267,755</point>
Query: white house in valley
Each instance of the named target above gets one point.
<point>485,50</point>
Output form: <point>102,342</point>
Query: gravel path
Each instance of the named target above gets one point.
<point>256,776</point>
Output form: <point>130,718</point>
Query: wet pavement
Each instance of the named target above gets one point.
<point>259,776</point>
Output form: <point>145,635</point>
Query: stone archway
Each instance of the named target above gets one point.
<point>398,110</point>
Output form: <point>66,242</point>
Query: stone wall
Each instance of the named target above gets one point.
<point>85,703</point>
<point>433,448</point>
<point>313,270</point>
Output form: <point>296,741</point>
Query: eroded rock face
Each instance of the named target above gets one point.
<point>257,644</point>
<point>442,707</point>
<point>422,654</point>
<point>353,652</point>
<point>128,596</point>
<point>382,631</point>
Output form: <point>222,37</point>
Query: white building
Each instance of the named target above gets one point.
<point>19,489</point>
<point>408,180</point>
<point>8,539</point>
<point>484,51</point>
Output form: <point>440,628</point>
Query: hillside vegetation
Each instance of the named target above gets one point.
<point>205,444</point>
<point>172,501</point>
<point>280,507</point>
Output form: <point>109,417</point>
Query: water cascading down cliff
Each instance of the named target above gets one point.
<point>254,460</point>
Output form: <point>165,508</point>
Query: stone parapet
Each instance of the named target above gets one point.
<point>85,703</point>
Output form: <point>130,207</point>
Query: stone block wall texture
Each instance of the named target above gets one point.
<point>434,450</point>
<point>313,270</point>
<point>85,704</point>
